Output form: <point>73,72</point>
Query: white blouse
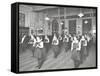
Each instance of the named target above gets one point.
<point>23,38</point>
<point>66,39</point>
<point>47,39</point>
<point>79,45</point>
<point>84,41</point>
<point>55,41</point>
<point>39,43</point>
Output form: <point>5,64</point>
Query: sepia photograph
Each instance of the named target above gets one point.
<point>53,37</point>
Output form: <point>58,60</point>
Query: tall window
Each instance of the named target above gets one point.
<point>72,27</point>
<point>55,25</point>
<point>86,25</point>
<point>21,19</point>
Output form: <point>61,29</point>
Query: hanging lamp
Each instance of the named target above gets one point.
<point>47,18</point>
<point>80,14</point>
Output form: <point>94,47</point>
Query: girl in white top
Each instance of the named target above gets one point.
<point>55,43</point>
<point>84,40</point>
<point>32,40</point>
<point>46,39</point>
<point>40,52</point>
<point>87,37</point>
<point>75,48</point>
<point>60,38</point>
<point>75,45</point>
<point>46,43</point>
<point>84,52</point>
<point>66,39</point>
<point>39,42</point>
<point>65,42</point>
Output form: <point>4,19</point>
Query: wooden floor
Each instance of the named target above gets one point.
<point>28,62</point>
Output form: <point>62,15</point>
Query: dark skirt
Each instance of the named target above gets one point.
<point>40,53</point>
<point>83,53</point>
<point>76,58</point>
<point>66,46</point>
<point>23,47</point>
<point>84,50</point>
<point>32,48</point>
<point>55,50</point>
<point>75,55</point>
<point>47,47</point>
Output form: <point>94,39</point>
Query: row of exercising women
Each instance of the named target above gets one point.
<point>41,45</point>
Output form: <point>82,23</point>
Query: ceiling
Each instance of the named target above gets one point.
<point>37,8</point>
<point>41,8</point>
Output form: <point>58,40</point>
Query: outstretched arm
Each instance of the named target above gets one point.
<point>72,46</point>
